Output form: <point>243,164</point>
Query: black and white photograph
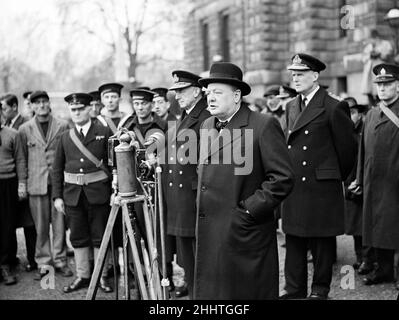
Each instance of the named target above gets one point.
<point>203,155</point>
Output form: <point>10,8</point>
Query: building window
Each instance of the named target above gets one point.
<point>224,24</point>
<point>205,44</point>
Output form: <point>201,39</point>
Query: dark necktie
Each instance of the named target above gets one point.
<point>82,136</point>
<point>220,125</point>
<point>303,104</point>
<point>8,123</point>
<point>183,115</point>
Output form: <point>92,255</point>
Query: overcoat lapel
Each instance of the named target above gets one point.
<point>52,131</point>
<point>228,135</point>
<point>313,110</point>
<point>37,132</point>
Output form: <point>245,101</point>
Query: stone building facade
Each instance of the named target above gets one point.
<point>262,35</point>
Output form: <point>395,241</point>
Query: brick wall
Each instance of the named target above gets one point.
<point>265,33</point>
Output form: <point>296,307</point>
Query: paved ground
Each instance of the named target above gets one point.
<point>29,289</point>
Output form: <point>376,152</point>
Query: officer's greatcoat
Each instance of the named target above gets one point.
<point>181,176</point>
<point>322,145</point>
<point>379,154</point>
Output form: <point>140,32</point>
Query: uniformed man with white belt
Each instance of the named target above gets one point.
<point>82,187</point>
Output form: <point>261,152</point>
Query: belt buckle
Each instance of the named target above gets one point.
<point>80,179</point>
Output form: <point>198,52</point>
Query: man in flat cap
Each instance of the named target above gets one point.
<point>181,177</point>
<point>40,137</point>
<point>322,145</point>
<point>236,252</point>
<point>378,175</point>
<point>162,105</point>
<point>110,94</point>
<point>82,187</point>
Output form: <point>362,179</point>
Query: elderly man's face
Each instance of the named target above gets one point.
<point>80,114</point>
<point>110,100</point>
<point>304,81</point>
<point>41,106</point>
<point>186,97</point>
<point>387,90</point>
<point>222,99</point>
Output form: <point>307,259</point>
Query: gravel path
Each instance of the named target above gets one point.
<point>29,289</point>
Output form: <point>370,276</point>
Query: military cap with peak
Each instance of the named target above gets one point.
<point>95,95</point>
<point>141,94</point>
<point>38,94</point>
<point>184,79</point>
<point>79,99</point>
<point>360,107</point>
<point>143,88</point>
<point>26,94</point>
<point>110,87</point>
<point>305,62</point>
<point>386,72</point>
<point>286,92</point>
<point>160,92</point>
<point>272,90</point>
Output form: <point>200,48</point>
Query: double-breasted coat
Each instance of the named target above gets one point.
<point>322,145</point>
<point>379,176</point>
<point>180,177</point>
<point>236,253</point>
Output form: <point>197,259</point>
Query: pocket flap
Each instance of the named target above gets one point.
<point>328,174</point>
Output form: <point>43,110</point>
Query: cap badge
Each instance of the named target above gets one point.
<point>383,72</point>
<point>297,60</point>
<point>74,99</point>
<point>175,78</point>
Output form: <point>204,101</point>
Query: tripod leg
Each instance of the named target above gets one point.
<point>152,250</point>
<point>148,270</point>
<point>125,262</point>
<point>136,258</point>
<point>162,230</point>
<point>91,292</point>
<point>114,263</point>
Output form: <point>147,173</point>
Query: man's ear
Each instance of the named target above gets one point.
<point>197,92</point>
<point>315,76</point>
<point>237,95</point>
